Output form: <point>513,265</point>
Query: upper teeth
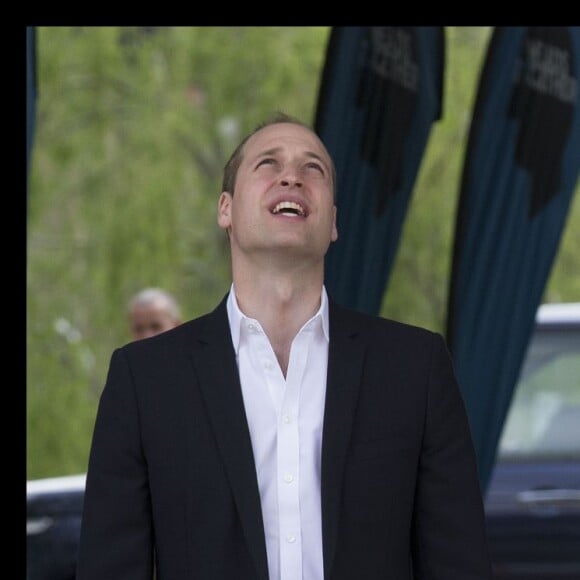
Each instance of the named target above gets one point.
<point>288,205</point>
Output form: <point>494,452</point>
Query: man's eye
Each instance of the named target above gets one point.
<point>315,166</point>
<point>266,161</point>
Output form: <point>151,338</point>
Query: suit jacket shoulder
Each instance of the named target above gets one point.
<point>377,330</point>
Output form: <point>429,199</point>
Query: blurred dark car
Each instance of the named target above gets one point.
<point>53,523</point>
<point>533,500</point>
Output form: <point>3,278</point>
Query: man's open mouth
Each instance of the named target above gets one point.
<point>289,208</point>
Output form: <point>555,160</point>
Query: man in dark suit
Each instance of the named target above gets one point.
<point>282,436</point>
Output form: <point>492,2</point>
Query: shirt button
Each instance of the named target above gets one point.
<point>288,478</point>
<point>251,327</point>
<point>268,366</point>
<point>286,418</point>
<point>290,539</point>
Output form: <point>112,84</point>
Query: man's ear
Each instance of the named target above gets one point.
<point>224,211</point>
<point>334,233</point>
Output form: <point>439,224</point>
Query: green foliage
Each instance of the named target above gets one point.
<point>133,128</point>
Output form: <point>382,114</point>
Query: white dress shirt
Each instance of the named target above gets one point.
<point>285,419</point>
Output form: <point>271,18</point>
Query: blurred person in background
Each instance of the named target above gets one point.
<point>151,311</point>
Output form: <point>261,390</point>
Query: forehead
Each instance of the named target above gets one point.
<point>285,136</point>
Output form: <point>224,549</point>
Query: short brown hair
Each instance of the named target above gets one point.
<point>235,160</point>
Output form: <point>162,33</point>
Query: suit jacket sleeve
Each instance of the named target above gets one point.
<point>449,538</point>
<point>116,530</point>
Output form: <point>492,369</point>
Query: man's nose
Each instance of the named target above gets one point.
<point>291,178</point>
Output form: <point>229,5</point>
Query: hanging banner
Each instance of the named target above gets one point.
<point>381,91</point>
<point>521,169</point>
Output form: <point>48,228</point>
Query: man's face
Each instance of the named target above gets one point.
<point>149,319</point>
<point>283,198</point>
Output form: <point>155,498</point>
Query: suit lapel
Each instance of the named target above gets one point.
<point>215,365</point>
<point>345,360</point>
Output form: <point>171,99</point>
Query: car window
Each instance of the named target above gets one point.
<point>544,417</point>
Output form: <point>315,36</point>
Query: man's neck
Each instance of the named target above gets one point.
<point>282,304</point>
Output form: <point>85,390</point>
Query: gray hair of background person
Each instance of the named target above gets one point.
<point>156,296</point>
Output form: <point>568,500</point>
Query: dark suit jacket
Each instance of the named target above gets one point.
<point>171,471</point>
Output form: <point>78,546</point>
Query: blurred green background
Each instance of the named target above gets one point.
<point>133,128</point>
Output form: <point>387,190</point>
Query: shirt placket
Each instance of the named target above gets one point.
<point>288,453</point>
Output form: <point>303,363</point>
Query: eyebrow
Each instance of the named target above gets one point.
<point>310,154</point>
